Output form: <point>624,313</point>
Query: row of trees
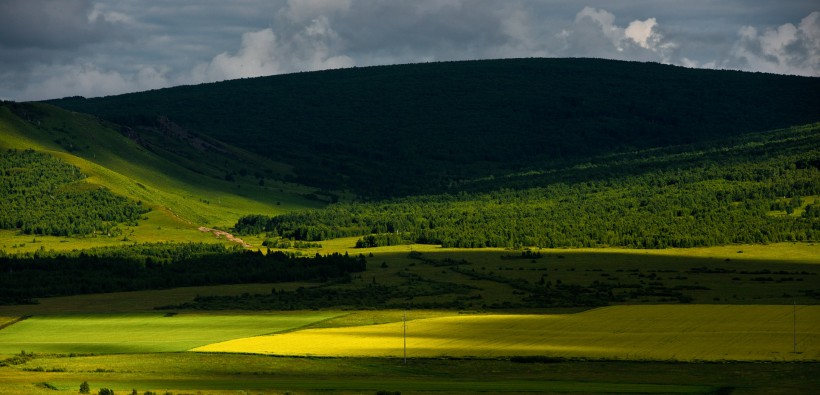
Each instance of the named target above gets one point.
<point>707,203</point>
<point>24,277</point>
<point>42,195</point>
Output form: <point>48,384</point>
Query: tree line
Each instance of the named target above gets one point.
<point>24,277</point>
<point>725,199</point>
<point>42,195</point>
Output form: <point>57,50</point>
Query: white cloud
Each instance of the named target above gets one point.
<point>255,57</point>
<point>605,20</point>
<point>595,33</point>
<point>303,45</point>
<point>88,80</point>
<point>262,53</point>
<point>786,49</point>
<point>641,32</point>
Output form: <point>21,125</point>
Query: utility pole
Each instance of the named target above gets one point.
<point>404,319</point>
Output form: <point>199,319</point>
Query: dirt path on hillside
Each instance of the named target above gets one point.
<point>221,233</point>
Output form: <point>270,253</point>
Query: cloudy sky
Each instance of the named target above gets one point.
<point>56,48</point>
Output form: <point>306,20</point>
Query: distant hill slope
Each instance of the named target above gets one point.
<point>411,129</point>
<point>758,189</point>
<point>176,180</point>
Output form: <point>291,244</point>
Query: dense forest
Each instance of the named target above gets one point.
<point>759,189</point>
<point>395,131</point>
<point>24,277</point>
<point>41,195</point>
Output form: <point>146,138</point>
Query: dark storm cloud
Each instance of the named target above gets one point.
<point>98,47</point>
<point>53,24</point>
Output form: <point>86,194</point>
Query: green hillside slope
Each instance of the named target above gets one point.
<point>761,188</point>
<point>418,129</point>
<point>183,190</point>
<point>42,195</point>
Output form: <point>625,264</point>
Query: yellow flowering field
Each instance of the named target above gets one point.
<point>648,332</point>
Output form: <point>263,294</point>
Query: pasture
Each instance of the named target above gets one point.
<point>256,374</point>
<point>616,349</point>
<point>140,333</point>
<point>426,276</point>
<point>430,277</point>
<point>223,374</point>
<point>661,333</point>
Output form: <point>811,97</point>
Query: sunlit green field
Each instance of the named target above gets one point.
<point>140,333</point>
<point>651,332</point>
<point>132,367</point>
<point>683,333</point>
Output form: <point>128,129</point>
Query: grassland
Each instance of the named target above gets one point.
<point>500,279</point>
<point>209,373</point>
<point>683,333</point>
<point>773,274</point>
<point>133,301</point>
<point>808,253</point>
<point>124,333</point>
<point>647,335</point>
<point>254,374</point>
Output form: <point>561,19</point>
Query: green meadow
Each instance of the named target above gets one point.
<point>653,332</point>
<point>181,373</point>
<point>119,341</point>
<point>130,365</point>
<point>140,333</point>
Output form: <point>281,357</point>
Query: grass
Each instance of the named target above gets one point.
<point>731,277</point>
<point>681,333</point>
<point>6,321</point>
<point>807,253</point>
<point>182,198</point>
<point>736,274</point>
<point>224,373</point>
<point>257,374</point>
<point>135,301</point>
<point>128,333</point>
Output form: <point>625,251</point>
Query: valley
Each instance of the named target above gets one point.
<point>543,225</point>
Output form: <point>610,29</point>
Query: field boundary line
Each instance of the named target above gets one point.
<point>16,320</point>
<point>306,326</point>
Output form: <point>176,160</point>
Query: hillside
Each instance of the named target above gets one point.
<point>426,128</point>
<point>758,189</point>
<point>73,175</point>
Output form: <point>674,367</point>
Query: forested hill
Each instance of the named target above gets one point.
<point>761,188</point>
<point>422,128</point>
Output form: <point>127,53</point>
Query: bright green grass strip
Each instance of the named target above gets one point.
<point>650,332</point>
<point>132,333</point>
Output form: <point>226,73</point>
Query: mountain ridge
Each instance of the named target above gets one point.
<point>386,131</point>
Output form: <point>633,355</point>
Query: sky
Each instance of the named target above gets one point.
<point>57,48</point>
